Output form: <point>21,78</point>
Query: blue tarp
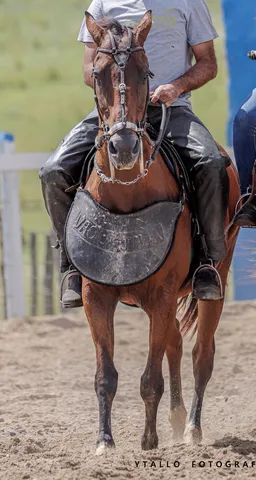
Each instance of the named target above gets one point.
<point>240,27</point>
<point>244,266</point>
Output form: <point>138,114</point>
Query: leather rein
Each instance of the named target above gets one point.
<point>121,57</point>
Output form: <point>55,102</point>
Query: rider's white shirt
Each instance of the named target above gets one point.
<point>177,25</point>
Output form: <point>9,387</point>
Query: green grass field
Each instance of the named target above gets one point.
<point>42,91</point>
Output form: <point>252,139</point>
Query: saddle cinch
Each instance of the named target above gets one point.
<point>125,249</point>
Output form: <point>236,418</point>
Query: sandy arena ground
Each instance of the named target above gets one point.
<point>49,415</point>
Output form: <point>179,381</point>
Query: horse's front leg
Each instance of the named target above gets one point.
<point>99,307</point>
<point>174,354</point>
<point>152,382</point>
<point>203,356</point>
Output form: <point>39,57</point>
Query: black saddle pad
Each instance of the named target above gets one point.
<point>119,249</point>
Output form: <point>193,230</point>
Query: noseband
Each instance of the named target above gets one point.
<point>121,57</point>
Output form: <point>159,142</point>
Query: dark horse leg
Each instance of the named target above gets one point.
<point>209,313</point>
<point>203,355</point>
<point>152,382</point>
<point>174,353</point>
<point>99,308</point>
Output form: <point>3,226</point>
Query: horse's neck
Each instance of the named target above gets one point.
<point>158,185</point>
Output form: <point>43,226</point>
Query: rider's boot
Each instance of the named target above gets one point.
<point>246,216</point>
<point>58,202</point>
<point>211,186</point>
<point>71,289</point>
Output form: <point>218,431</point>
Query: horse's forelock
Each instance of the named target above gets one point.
<point>113,25</point>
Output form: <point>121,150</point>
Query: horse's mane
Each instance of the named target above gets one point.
<point>113,25</point>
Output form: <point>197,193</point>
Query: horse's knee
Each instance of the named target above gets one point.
<point>174,343</point>
<point>106,380</point>
<point>174,351</point>
<point>151,386</point>
<point>203,350</point>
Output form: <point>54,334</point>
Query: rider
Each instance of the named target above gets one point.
<point>244,140</point>
<point>182,30</point>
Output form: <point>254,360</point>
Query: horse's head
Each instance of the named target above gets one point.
<point>121,87</point>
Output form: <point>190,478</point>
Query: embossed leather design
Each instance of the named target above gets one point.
<point>119,249</point>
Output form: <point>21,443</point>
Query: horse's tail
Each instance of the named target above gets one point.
<point>189,317</point>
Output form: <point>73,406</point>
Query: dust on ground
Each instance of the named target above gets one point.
<point>49,413</point>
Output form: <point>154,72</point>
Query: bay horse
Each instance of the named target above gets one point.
<point>123,186</point>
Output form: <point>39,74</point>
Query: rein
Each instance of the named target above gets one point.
<point>121,57</point>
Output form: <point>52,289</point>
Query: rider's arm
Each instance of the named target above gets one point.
<point>204,70</point>
<point>89,56</point>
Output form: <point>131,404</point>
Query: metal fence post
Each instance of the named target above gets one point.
<point>12,235</point>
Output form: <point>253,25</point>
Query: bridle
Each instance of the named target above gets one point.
<point>121,57</point>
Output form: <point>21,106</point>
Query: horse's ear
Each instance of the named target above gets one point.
<point>96,31</point>
<point>141,31</point>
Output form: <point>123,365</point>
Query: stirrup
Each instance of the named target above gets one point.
<point>241,204</point>
<point>244,216</point>
<point>242,201</point>
<point>206,283</point>
<point>73,299</point>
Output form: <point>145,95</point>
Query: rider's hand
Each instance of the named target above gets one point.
<point>167,94</point>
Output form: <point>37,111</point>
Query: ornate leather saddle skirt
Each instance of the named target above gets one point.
<point>119,249</point>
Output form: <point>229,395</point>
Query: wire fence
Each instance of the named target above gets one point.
<point>41,272</point>
<point>41,275</point>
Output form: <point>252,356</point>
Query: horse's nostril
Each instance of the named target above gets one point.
<point>126,145</point>
<point>112,148</point>
<point>136,147</point>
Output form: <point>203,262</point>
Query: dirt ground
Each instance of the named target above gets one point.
<point>49,415</point>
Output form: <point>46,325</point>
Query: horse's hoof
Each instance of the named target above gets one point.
<point>177,419</point>
<point>149,442</point>
<point>193,435</point>
<point>104,446</point>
